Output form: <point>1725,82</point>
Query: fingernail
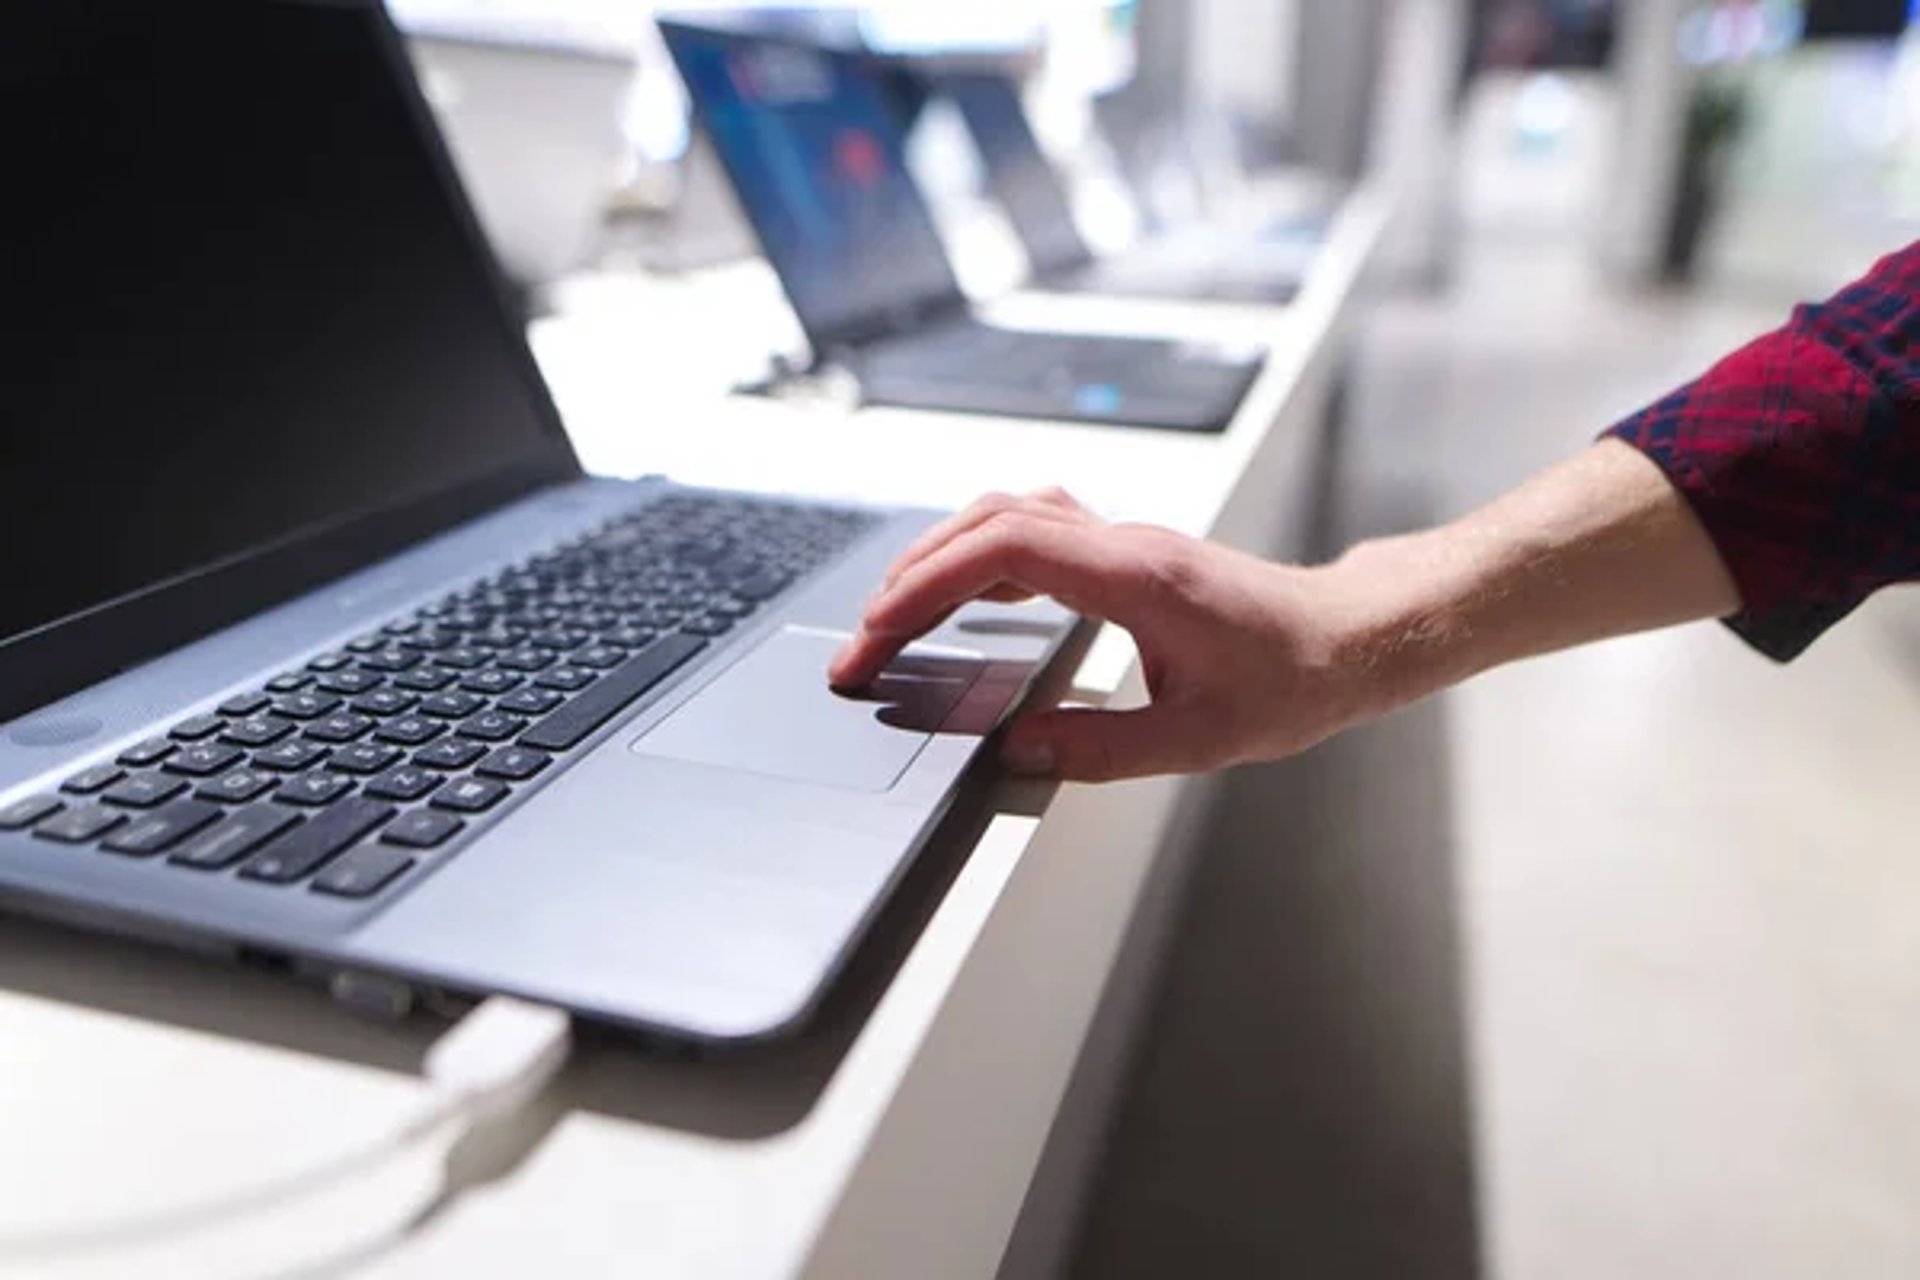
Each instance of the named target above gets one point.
<point>1031,757</point>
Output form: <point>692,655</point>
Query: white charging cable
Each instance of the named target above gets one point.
<point>488,1068</point>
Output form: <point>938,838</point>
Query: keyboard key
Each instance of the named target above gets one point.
<point>463,657</point>
<point>570,724</point>
<point>363,757</point>
<point>384,702</point>
<point>422,829</point>
<point>257,731</point>
<point>450,754</point>
<point>362,873</point>
<point>407,782</point>
<point>152,751</point>
<point>301,851</point>
<point>22,814</point>
<point>234,839</point>
<point>309,704</point>
<point>429,640</point>
<point>425,679</point>
<point>350,681</point>
<point>291,756</point>
<point>193,728</point>
<point>470,795</point>
<point>160,830</point>
<point>78,826</point>
<point>761,587</point>
<point>452,706</point>
<point>628,637</point>
<point>566,679</point>
<point>203,759</point>
<point>601,657</point>
<point>410,730</point>
<point>530,702</point>
<point>340,726</point>
<point>329,662</point>
<point>367,643</point>
<point>389,660</point>
<point>289,682</point>
<point>490,726</point>
<point>525,660</point>
<point>491,682</point>
<point>559,639</point>
<point>514,763</point>
<point>311,790</point>
<point>144,790</point>
<point>237,787</point>
<point>498,637</point>
<point>244,704</point>
<point>88,781</point>
<point>707,627</point>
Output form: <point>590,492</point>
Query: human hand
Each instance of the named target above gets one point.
<point>1244,659</point>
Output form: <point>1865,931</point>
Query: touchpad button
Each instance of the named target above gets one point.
<point>772,713</point>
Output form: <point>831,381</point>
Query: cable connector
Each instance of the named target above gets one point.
<point>498,1058</point>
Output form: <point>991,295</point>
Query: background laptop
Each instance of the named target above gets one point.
<point>532,118</point>
<point>315,644</point>
<point>1186,266</point>
<point>810,138</point>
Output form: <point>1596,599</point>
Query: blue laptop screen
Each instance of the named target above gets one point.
<point>817,159</point>
<point>1026,186</point>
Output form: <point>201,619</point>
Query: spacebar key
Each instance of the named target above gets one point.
<point>300,852</point>
<point>600,701</point>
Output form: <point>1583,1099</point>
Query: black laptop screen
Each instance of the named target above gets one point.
<point>815,152</point>
<point>245,309</point>
<point>1021,179</point>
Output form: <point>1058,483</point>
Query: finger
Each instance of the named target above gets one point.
<point>1099,746</point>
<point>1054,503</point>
<point>1076,564</point>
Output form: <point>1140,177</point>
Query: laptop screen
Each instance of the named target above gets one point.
<point>249,321</point>
<point>1022,180</point>
<point>815,152</point>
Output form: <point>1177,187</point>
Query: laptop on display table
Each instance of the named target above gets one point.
<point>317,645</point>
<point>1189,266</point>
<point>812,142</point>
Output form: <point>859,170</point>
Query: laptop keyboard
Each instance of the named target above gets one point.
<point>1021,358</point>
<point>347,774</point>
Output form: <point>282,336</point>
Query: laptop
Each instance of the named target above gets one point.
<point>810,140</point>
<point>533,120</point>
<point>1186,267</point>
<point>317,648</point>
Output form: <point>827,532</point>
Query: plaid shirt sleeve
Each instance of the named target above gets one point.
<point>1800,453</point>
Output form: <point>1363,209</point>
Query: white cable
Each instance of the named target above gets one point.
<point>488,1067</point>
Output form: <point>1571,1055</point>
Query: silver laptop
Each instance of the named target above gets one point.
<point>1203,267</point>
<point>315,644</point>
<point>532,119</point>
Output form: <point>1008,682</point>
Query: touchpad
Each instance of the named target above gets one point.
<point>772,713</point>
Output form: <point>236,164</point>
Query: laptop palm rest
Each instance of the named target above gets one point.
<point>772,714</point>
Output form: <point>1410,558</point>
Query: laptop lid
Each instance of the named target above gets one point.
<point>810,139</point>
<point>258,340</point>
<point>1018,172</point>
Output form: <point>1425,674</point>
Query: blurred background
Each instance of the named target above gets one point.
<point>1601,966</point>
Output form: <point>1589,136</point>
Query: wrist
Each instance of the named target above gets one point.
<point>1399,628</point>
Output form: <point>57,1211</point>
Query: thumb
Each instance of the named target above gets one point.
<point>1094,746</point>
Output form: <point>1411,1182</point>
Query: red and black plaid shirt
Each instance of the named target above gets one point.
<point>1801,455</point>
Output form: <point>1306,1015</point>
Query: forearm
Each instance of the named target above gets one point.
<point>1599,546</point>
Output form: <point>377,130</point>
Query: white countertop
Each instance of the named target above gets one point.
<point>898,1138</point>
